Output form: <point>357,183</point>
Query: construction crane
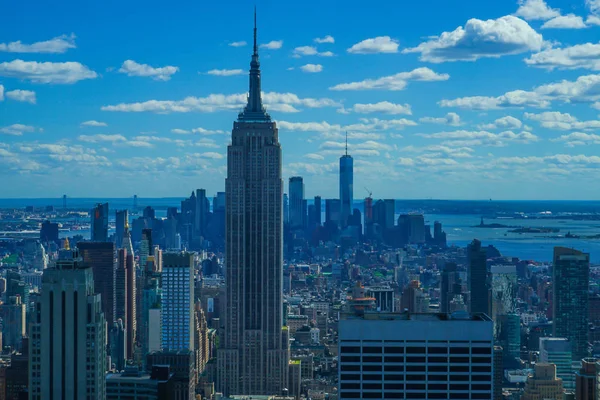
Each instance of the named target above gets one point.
<point>368,191</point>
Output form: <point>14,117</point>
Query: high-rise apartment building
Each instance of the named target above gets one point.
<point>570,298</point>
<point>346,185</point>
<point>99,223</point>
<point>478,278</point>
<point>318,211</point>
<point>13,313</point>
<point>253,355</point>
<point>586,380</point>
<point>296,189</point>
<point>102,258</point>
<point>415,356</point>
<point>68,335</point>
<point>177,330</point>
<point>121,220</point>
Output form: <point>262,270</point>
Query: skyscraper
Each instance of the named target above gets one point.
<point>346,185</point>
<point>99,223</point>
<point>570,301</point>
<point>121,219</point>
<point>296,189</point>
<point>318,211</point>
<point>177,302</point>
<point>478,278</point>
<point>254,354</point>
<point>102,257</point>
<point>68,333</point>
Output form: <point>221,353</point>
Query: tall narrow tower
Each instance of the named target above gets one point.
<point>346,186</point>
<point>254,353</point>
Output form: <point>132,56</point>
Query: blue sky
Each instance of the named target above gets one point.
<point>454,99</point>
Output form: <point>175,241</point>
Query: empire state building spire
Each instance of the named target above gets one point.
<point>254,110</point>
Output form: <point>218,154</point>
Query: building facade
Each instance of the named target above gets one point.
<point>177,302</point>
<point>296,189</point>
<point>254,353</point>
<point>346,185</point>
<point>415,356</point>
<point>99,223</point>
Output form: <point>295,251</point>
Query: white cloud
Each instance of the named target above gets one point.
<point>562,121</point>
<point>212,155</point>
<point>314,156</point>
<point>394,82</point>
<point>380,44</point>
<point>46,72</point>
<point>99,138</point>
<point>585,56</point>
<point>578,139</point>
<point>462,138</point>
<point>593,6</point>
<point>219,102</point>
<point>238,44</point>
<point>225,72</point>
<point>1,92</point>
<point>596,105</point>
<point>137,143</point>
<point>59,44</point>
<point>516,98</point>
<point>132,68</point>
<point>478,39</point>
<point>452,119</point>
<point>366,126</point>
<point>536,10</point>
<point>200,131</point>
<point>569,21</point>
<point>310,51</point>
<point>384,107</point>
<point>17,129</point>
<point>26,96</point>
<point>312,68</point>
<point>326,39</point>
<point>272,45</point>
<point>93,123</point>
<point>507,122</point>
<point>593,20</point>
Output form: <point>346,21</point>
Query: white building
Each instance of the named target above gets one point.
<point>177,315</point>
<point>415,356</point>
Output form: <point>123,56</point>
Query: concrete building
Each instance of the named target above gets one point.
<point>68,335</point>
<point>253,356</point>
<point>384,298</point>
<point>543,384</point>
<point>570,301</point>
<point>586,380</point>
<point>433,356</point>
<point>177,317</point>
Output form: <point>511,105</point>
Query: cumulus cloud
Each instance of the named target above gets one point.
<point>569,21</point>
<point>384,107</point>
<point>578,139</point>
<point>310,51</point>
<point>17,129</point>
<point>394,82</point>
<point>314,156</point>
<point>220,102</point>
<point>536,10</point>
<point>516,98</point>
<point>58,45</point>
<point>132,68</point>
<point>225,72</point>
<point>241,43</point>
<point>586,56</point>
<point>46,72</point>
<point>326,39</point>
<point>26,96</point>
<point>313,68</point>
<point>380,44</point>
<point>200,131</point>
<point>507,122</point>
<point>561,121</point>
<point>462,138</point>
<point>1,93</point>
<point>452,119</point>
<point>100,138</point>
<point>93,123</point>
<point>366,126</point>
<point>272,45</point>
<point>478,39</point>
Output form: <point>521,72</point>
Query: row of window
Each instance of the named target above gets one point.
<point>415,350</point>
<point>416,395</point>
<point>408,368</point>
<point>416,386</point>
<point>416,359</point>
<point>415,377</point>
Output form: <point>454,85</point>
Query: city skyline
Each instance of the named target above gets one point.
<point>503,107</point>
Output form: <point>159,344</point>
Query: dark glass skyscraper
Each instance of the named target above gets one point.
<point>570,302</point>
<point>254,353</point>
<point>121,220</point>
<point>346,186</point>
<point>478,279</point>
<point>296,189</point>
<point>99,223</point>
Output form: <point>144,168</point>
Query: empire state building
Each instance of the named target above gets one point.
<point>253,355</point>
